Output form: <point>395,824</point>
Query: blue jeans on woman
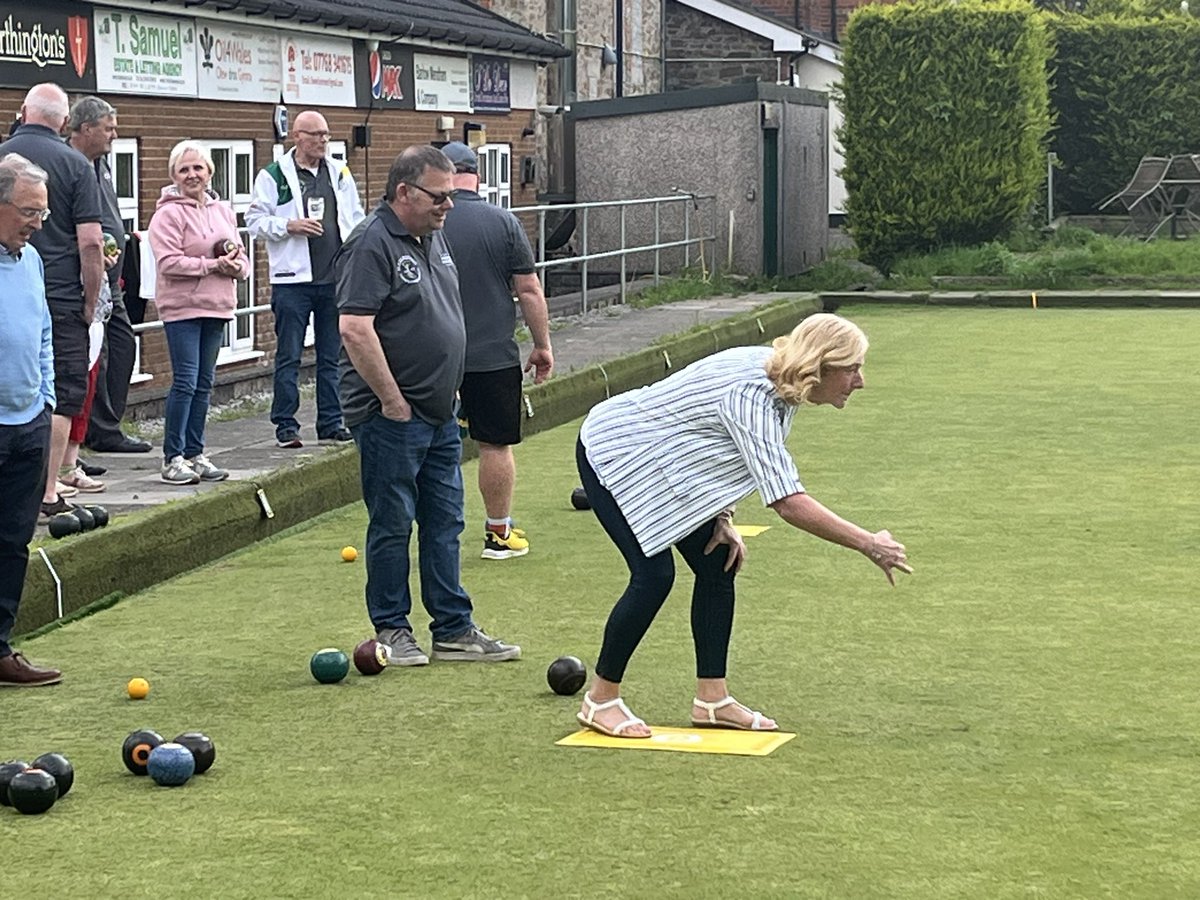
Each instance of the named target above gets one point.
<point>193,345</point>
<point>292,305</point>
<point>410,472</point>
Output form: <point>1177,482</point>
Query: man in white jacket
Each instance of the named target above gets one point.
<point>305,205</point>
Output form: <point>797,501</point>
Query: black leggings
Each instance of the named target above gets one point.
<point>650,580</point>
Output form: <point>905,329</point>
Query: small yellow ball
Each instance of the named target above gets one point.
<point>138,688</point>
<point>349,554</point>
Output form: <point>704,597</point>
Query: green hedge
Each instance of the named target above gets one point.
<point>946,123</point>
<point>1122,89</point>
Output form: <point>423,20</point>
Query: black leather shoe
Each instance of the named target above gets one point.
<point>89,470</point>
<point>125,445</point>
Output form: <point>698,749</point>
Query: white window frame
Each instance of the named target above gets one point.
<point>495,173</point>
<point>127,206</point>
<point>238,343</point>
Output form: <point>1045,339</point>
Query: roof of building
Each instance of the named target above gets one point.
<point>453,22</point>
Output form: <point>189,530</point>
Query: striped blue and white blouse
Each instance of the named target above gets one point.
<point>675,453</point>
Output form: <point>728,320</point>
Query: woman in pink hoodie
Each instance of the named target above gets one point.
<point>199,258</point>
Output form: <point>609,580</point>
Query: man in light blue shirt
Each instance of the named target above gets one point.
<point>26,398</point>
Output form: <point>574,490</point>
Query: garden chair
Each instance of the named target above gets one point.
<point>1144,199</point>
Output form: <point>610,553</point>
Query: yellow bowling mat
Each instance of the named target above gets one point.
<point>751,530</point>
<point>687,740</point>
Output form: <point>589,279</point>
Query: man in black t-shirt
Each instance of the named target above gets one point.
<point>70,243</point>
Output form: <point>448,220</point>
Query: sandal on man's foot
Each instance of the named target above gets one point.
<point>589,720</point>
<point>711,720</point>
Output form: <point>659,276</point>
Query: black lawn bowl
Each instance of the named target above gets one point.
<point>100,514</point>
<point>135,752</point>
<point>63,524</point>
<point>8,771</point>
<point>32,792</point>
<point>566,675</point>
<point>86,520</point>
<point>203,750</point>
<point>579,499</point>
<point>58,766</point>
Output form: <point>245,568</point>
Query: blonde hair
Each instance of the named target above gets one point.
<point>819,340</point>
<point>185,146</point>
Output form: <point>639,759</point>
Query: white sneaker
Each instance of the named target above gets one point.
<point>204,467</point>
<point>177,471</point>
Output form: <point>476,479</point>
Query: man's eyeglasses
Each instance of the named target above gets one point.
<point>438,199</point>
<point>30,213</point>
<point>322,135</point>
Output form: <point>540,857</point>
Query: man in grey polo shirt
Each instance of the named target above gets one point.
<point>403,345</point>
<point>494,259</point>
<point>70,244</point>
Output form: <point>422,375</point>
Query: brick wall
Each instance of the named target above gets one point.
<point>158,124</point>
<point>701,51</point>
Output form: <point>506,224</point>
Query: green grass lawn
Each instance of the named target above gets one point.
<point>1016,719</point>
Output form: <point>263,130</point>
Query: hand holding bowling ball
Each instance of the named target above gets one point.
<point>226,246</point>
<point>111,248</point>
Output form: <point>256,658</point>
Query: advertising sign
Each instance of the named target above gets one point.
<point>47,41</point>
<point>139,53</point>
<point>318,71</point>
<point>238,62</point>
<point>442,83</point>
<point>383,78</point>
<point>490,84</point>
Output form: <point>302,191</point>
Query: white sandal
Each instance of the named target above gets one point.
<point>756,722</point>
<point>589,721</point>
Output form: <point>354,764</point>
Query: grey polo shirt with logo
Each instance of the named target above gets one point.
<point>410,286</point>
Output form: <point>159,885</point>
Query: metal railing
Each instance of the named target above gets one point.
<point>691,218</point>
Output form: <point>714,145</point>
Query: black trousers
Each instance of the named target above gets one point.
<point>24,452</point>
<point>650,581</point>
<point>117,356</point>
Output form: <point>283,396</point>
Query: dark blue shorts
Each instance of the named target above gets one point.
<point>491,404</point>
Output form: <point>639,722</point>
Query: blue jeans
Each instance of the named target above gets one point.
<point>410,472</point>
<point>292,304</point>
<point>193,345</point>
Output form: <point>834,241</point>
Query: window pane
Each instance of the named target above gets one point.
<point>220,179</point>
<point>123,177</point>
<point>243,173</point>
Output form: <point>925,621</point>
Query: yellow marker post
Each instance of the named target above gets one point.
<point>1034,298</point>
<point>687,740</point>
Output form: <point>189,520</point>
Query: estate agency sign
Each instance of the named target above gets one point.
<point>490,84</point>
<point>442,83</point>
<point>238,62</point>
<point>138,53</point>
<point>47,41</point>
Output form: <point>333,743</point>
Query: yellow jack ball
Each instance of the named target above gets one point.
<point>138,688</point>
<point>349,554</point>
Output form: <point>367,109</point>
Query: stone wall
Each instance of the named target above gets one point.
<point>701,51</point>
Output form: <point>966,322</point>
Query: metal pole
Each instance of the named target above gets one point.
<point>542,248</point>
<point>1051,159</point>
<point>584,241</point>
<point>687,233</point>
<point>623,255</point>
<point>657,238</point>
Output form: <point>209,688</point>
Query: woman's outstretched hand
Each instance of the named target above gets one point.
<point>725,533</point>
<point>888,553</point>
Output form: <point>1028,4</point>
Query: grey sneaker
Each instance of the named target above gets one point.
<point>401,647</point>
<point>204,467</point>
<point>177,471</point>
<point>475,646</point>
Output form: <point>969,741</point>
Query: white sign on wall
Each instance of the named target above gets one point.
<point>237,62</point>
<point>522,80</point>
<point>442,83</point>
<point>318,70</point>
<point>138,53</point>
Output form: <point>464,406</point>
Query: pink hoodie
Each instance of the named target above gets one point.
<point>183,234</point>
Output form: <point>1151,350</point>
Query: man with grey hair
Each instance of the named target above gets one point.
<point>26,398</point>
<point>403,346</point>
<point>93,128</point>
<point>70,244</point>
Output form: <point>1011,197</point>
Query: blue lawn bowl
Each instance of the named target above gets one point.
<point>171,764</point>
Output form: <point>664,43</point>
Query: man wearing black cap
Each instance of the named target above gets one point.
<point>494,259</point>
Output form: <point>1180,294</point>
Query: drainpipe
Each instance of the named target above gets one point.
<point>833,21</point>
<point>620,36</point>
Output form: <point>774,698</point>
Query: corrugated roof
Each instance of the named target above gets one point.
<point>453,22</point>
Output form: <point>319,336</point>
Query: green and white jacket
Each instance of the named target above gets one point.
<point>277,199</point>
